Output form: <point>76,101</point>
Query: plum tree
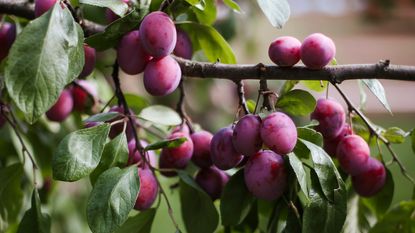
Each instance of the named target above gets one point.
<point>90,59</point>
<point>184,46</point>
<point>158,34</point>
<point>84,94</point>
<point>148,189</point>
<point>331,117</point>
<point>370,181</point>
<point>317,50</point>
<point>7,37</point>
<point>278,132</point>
<point>131,55</point>
<point>177,157</point>
<point>41,6</point>
<point>162,76</point>
<point>223,154</point>
<point>246,136</point>
<point>201,151</point>
<point>62,108</point>
<point>353,154</point>
<point>212,180</point>
<point>265,175</point>
<point>285,51</point>
<point>134,156</point>
<point>330,145</point>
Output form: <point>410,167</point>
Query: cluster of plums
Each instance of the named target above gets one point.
<point>353,153</point>
<point>316,51</point>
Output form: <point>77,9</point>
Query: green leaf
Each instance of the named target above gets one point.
<point>198,212</point>
<point>318,86</point>
<point>170,143</point>
<point>79,153</point>
<point>395,135</point>
<point>34,220</point>
<point>135,102</point>
<point>398,219</point>
<point>251,105</point>
<point>206,15</point>
<point>215,47</point>
<point>299,171</point>
<point>381,202</point>
<point>115,154</point>
<point>113,32</point>
<point>47,55</point>
<point>277,11</point>
<point>310,135</point>
<point>413,140</point>
<point>117,6</point>
<point>377,89</point>
<point>102,117</point>
<point>359,217</point>
<point>297,102</point>
<point>288,86</point>
<point>11,195</point>
<point>236,200</point>
<point>112,199</point>
<point>363,95</point>
<point>160,114</point>
<point>193,2</point>
<point>233,5</point>
<point>141,223</point>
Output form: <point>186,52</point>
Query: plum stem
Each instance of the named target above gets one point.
<point>241,96</point>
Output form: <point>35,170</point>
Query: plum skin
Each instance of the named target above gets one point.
<point>116,129</point>
<point>162,76</point>
<point>158,34</point>
<point>90,60</point>
<point>317,50</point>
<point>278,132</point>
<point>62,108</point>
<point>372,180</point>
<point>148,189</point>
<point>7,37</point>
<point>178,157</point>
<point>201,151</point>
<point>331,116</point>
<point>84,94</point>
<point>353,154</point>
<point>246,136</point>
<point>212,181</point>
<point>134,156</point>
<point>41,6</point>
<point>285,51</point>
<point>131,55</point>
<point>330,145</point>
<point>184,46</point>
<point>265,175</point>
<point>223,154</point>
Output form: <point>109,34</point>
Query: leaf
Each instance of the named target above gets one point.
<point>233,5</point>
<point>299,171</point>
<point>310,135</point>
<point>297,102</point>
<point>395,135</point>
<point>193,2</point>
<point>288,86</point>
<point>115,154</point>
<point>34,220</point>
<point>314,85</point>
<point>79,153</point>
<point>117,6</point>
<point>198,212</point>
<point>135,102</point>
<point>359,216</point>
<point>363,95</point>
<point>47,55</point>
<point>381,202</point>
<point>251,105</point>
<point>160,114</point>
<point>377,89</point>
<point>170,143</point>
<point>141,223</point>
<point>413,140</point>
<point>206,15</point>
<point>215,47</point>
<point>11,194</point>
<point>277,11</point>
<point>398,219</point>
<point>236,200</point>
<point>112,199</point>
<point>102,117</point>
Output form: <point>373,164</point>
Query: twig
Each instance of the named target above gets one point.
<point>165,4</point>
<point>181,108</point>
<point>241,96</point>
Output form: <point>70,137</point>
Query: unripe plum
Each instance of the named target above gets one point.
<point>41,6</point>
<point>131,55</point>
<point>90,59</point>
<point>7,37</point>
<point>177,157</point>
<point>134,156</point>
<point>158,34</point>
<point>201,152</point>
<point>246,136</point>
<point>62,108</point>
<point>317,51</point>
<point>265,175</point>
<point>353,154</point>
<point>183,47</point>
<point>212,181</point>
<point>331,116</point>
<point>330,145</point>
<point>84,94</point>
<point>223,154</point>
<point>372,180</point>
<point>148,189</point>
<point>278,132</point>
<point>285,51</point>
<point>117,128</point>
<point>162,76</point>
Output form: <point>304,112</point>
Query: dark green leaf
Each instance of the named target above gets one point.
<point>233,5</point>
<point>310,135</point>
<point>34,220</point>
<point>117,6</point>
<point>359,217</point>
<point>11,195</point>
<point>395,135</point>
<point>115,155</point>
<point>381,202</point>
<point>141,223</point>
<point>288,86</point>
<point>398,219</point>
<point>160,114</point>
<point>47,55</point>
<point>297,102</point>
<point>171,143</point>
<point>318,86</point>
<point>236,200</point>
<point>299,171</point>
<point>413,140</point>
<point>102,117</point>
<point>277,11</point>
<point>198,212</point>
<point>79,153</point>
<point>112,199</point>
<point>377,89</point>
<point>360,128</point>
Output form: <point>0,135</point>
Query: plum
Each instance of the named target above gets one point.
<point>223,154</point>
<point>246,136</point>
<point>181,128</point>
<point>134,156</point>
<point>212,181</point>
<point>84,94</point>
<point>331,116</point>
<point>162,76</point>
<point>278,132</point>
<point>353,154</point>
<point>131,55</point>
<point>90,59</point>
<point>177,157</point>
<point>317,51</point>
<point>148,189</point>
<point>117,128</point>
<point>183,47</point>
<point>285,51</point>
<point>41,6</point>
<point>7,37</point>
<point>201,151</point>
<point>158,34</point>
<point>372,180</point>
<point>62,108</point>
<point>265,175</point>
<point>330,145</point>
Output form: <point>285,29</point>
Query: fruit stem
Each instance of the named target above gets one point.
<point>241,95</point>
